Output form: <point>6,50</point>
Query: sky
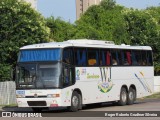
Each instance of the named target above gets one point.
<point>66,9</point>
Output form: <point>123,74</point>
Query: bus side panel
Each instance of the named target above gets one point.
<point>96,84</point>
<point>102,84</point>
<point>141,77</point>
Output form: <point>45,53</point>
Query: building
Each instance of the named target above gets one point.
<point>82,6</point>
<point>33,3</point>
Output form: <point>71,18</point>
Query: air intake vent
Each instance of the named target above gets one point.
<point>37,103</point>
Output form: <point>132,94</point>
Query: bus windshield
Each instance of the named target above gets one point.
<point>38,75</point>
<point>34,55</point>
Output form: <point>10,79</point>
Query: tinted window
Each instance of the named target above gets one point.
<point>93,57</point>
<point>136,57</point>
<point>68,55</point>
<point>105,57</point>
<point>40,55</point>
<point>67,76</point>
<point>144,58</point>
<point>80,56</point>
<point>116,57</point>
<point>126,57</point>
<point>149,58</point>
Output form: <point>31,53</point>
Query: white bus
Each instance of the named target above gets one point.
<point>77,72</point>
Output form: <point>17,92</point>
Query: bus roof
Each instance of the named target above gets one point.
<point>84,43</point>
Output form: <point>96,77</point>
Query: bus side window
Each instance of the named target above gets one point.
<point>116,57</point>
<point>80,56</point>
<point>105,57</point>
<point>102,57</point>
<point>149,58</point>
<point>144,58</point>
<point>136,58</point>
<point>108,58</point>
<point>93,58</point>
<point>67,56</point>
<point>126,57</point>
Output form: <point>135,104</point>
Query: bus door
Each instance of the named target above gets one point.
<point>68,69</point>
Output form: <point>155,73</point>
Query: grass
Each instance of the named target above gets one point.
<point>154,96</point>
<point>11,105</point>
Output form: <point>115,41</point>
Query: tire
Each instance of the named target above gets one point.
<point>76,102</point>
<point>131,96</point>
<point>135,95</point>
<point>123,97</point>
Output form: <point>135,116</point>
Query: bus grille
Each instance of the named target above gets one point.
<point>36,97</point>
<point>37,103</point>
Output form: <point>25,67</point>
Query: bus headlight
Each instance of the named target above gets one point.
<point>53,95</point>
<point>20,96</point>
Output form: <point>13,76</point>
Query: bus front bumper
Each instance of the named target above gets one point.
<point>38,102</point>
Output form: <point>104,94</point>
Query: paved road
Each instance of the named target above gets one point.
<point>91,111</point>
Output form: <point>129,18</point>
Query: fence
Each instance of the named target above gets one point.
<point>7,93</point>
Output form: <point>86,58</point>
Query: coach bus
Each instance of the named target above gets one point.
<point>78,72</point>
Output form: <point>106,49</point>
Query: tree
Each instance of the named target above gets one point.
<point>60,30</point>
<point>20,25</point>
<point>155,41</point>
<point>103,22</point>
<point>108,4</point>
<point>140,26</point>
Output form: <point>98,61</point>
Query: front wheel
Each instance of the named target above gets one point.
<point>123,97</point>
<point>75,102</point>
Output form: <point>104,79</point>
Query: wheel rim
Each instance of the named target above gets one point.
<point>124,96</point>
<point>131,96</point>
<point>75,101</point>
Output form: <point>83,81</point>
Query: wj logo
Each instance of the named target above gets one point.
<point>105,84</point>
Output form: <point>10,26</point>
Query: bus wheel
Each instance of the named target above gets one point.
<point>131,96</point>
<point>75,102</point>
<point>123,97</point>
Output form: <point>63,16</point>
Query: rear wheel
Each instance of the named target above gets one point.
<point>76,102</point>
<point>131,96</point>
<point>123,97</point>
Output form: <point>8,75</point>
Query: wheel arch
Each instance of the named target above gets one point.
<point>125,86</point>
<point>133,87</point>
<point>78,91</point>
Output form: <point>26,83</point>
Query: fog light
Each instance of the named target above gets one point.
<point>53,105</point>
<point>20,96</point>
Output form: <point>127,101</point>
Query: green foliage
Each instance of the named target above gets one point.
<point>20,25</point>
<point>5,72</point>
<point>98,22</point>
<point>143,27</point>
<point>140,26</point>
<point>155,41</point>
<point>109,21</point>
<point>60,30</point>
<point>108,4</point>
